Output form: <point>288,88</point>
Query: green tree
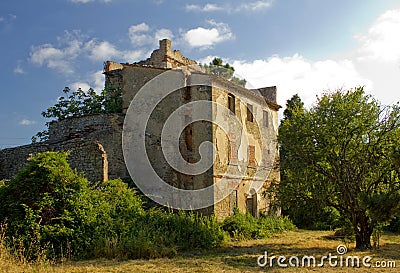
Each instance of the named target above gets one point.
<point>344,153</point>
<point>80,103</point>
<point>304,210</point>
<point>293,104</point>
<point>218,68</point>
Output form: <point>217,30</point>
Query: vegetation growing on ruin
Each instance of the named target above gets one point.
<point>79,103</point>
<point>218,68</point>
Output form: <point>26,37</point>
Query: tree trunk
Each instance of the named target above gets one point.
<point>363,233</point>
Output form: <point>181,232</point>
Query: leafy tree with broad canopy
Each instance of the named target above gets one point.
<point>344,153</point>
<point>80,103</point>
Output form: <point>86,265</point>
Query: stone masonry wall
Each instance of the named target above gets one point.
<point>95,143</point>
<point>103,128</point>
<point>85,156</point>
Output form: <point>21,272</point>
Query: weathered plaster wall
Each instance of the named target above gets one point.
<point>134,78</point>
<point>232,150</point>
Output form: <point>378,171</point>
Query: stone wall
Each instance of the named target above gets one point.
<point>95,142</point>
<point>86,156</point>
<point>89,126</point>
<point>165,57</point>
<point>102,128</point>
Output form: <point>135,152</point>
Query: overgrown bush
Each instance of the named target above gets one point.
<point>157,234</point>
<point>52,211</point>
<point>45,206</point>
<point>245,226</point>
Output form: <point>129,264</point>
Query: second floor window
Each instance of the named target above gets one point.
<point>266,118</point>
<point>231,103</point>
<point>250,112</point>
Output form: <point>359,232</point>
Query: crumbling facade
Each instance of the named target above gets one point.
<point>95,143</point>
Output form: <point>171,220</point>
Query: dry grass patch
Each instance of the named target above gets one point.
<point>235,257</point>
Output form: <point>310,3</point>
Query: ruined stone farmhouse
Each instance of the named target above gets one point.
<point>95,141</point>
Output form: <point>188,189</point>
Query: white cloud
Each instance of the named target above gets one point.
<point>206,60</point>
<point>163,34</point>
<point>373,64</point>
<point>82,85</point>
<point>51,57</point>
<point>133,55</point>
<point>27,122</point>
<point>95,81</point>
<point>295,74</point>
<point>142,27</point>
<point>141,35</point>
<point>255,6</point>
<point>98,81</point>
<point>382,41</point>
<point>207,37</point>
<point>138,34</point>
<point>19,70</point>
<point>100,51</point>
<point>206,7</point>
<point>60,58</point>
<point>231,7</point>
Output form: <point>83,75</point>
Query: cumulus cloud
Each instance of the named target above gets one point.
<point>296,74</point>
<point>382,41</point>
<point>207,37</point>
<point>94,80</point>
<point>206,7</point>
<point>255,6</point>
<point>163,34</point>
<point>374,63</point>
<point>63,55</point>
<point>27,122</point>
<point>58,57</point>
<point>139,35</point>
<point>100,51</point>
<point>230,7</point>
<point>142,35</point>
<point>82,85</point>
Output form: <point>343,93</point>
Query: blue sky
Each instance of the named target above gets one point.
<point>302,46</point>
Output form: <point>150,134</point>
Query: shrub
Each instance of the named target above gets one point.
<point>244,226</point>
<point>51,211</point>
<point>44,205</point>
<point>157,234</point>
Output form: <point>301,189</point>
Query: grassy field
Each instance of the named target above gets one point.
<point>234,257</point>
